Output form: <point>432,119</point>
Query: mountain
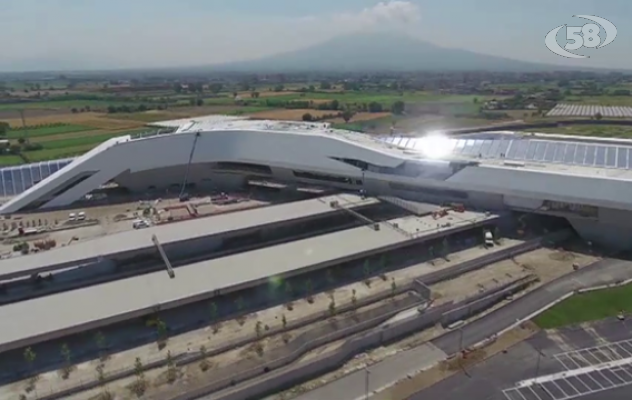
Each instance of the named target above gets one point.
<point>382,52</point>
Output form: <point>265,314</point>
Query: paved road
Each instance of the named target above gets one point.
<point>599,273</point>
<point>352,387</point>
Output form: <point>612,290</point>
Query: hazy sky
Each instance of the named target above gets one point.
<point>67,34</point>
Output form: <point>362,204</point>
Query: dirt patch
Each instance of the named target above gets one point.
<point>562,256</point>
<point>407,388</point>
<point>291,115</point>
<point>14,115</point>
<point>91,119</point>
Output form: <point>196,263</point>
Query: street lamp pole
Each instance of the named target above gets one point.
<point>366,383</point>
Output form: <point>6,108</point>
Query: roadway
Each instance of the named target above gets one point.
<point>395,368</point>
<point>138,240</point>
<point>65,313</point>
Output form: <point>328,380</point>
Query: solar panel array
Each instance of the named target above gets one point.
<point>578,110</point>
<point>547,151</point>
<point>15,180</point>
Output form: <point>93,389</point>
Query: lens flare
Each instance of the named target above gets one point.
<point>435,146</point>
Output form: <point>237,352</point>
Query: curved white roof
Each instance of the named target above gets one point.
<point>587,173</point>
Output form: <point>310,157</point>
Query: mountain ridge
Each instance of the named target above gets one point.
<point>366,52</point>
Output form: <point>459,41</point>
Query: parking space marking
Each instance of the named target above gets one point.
<point>586,371</point>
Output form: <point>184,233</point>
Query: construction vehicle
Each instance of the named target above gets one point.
<point>489,239</point>
<point>442,212</point>
<point>183,195</point>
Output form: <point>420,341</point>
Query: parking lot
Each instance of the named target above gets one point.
<point>589,371</point>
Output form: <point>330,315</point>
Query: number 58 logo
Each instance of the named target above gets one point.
<point>581,36</point>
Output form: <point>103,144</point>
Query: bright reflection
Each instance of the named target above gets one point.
<point>435,146</point>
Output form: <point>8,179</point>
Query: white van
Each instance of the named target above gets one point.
<point>489,239</point>
<point>72,217</point>
<point>81,216</point>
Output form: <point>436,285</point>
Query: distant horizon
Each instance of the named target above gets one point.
<point>217,66</point>
<point>113,36</point>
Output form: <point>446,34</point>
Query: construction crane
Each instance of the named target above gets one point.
<point>183,195</point>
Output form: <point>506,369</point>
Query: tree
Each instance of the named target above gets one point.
<point>4,128</point>
<point>140,385</point>
<point>375,107</point>
<point>74,110</point>
<point>598,116</point>
<point>258,329</point>
<point>177,87</point>
<point>325,85</point>
<point>398,107</point>
<point>354,298</point>
<point>172,368</point>
<point>332,307</point>
<point>29,357</point>
<point>335,105</point>
<point>347,115</point>
<point>199,102</point>
<point>393,287</point>
<point>204,364</point>
<point>215,87</point>
<point>283,321</point>
<point>67,356</point>
<point>99,339</point>
<point>307,117</point>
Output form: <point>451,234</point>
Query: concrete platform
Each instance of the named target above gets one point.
<point>139,240</point>
<point>71,312</point>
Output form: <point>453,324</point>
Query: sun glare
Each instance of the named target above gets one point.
<point>435,146</point>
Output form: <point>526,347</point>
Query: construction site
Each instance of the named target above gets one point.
<point>237,292</point>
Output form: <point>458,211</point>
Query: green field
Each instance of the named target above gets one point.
<point>614,131</point>
<point>8,160</point>
<point>47,131</point>
<point>73,146</point>
<point>386,99</point>
<point>53,154</point>
<point>65,104</point>
<point>585,307</point>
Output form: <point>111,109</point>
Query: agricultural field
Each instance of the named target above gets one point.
<point>58,140</point>
<point>600,100</point>
<point>612,131</point>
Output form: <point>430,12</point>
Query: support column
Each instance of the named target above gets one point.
<point>154,239</point>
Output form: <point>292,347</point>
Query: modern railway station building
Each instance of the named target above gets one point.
<point>586,181</point>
